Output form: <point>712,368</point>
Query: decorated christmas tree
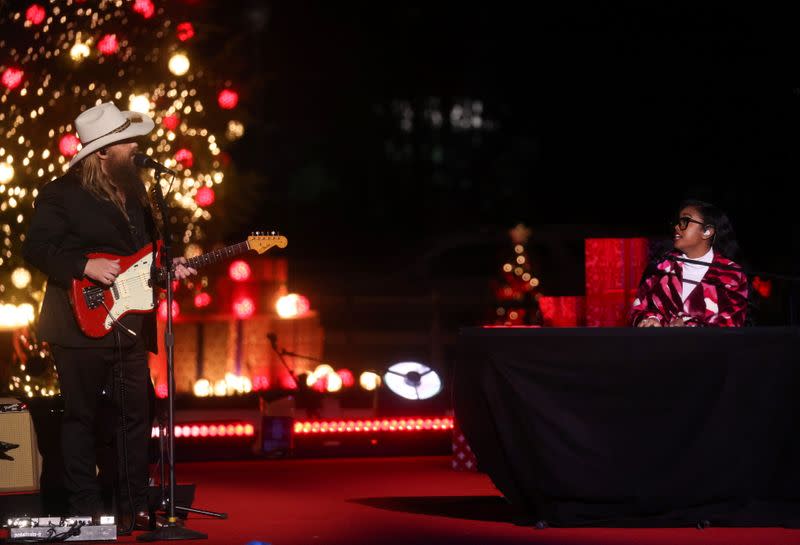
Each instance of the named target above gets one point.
<point>62,57</point>
<point>516,288</point>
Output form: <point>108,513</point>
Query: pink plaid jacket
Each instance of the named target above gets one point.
<point>719,300</point>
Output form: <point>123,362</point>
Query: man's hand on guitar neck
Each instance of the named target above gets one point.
<point>101,269</point>
<point>180,269</point>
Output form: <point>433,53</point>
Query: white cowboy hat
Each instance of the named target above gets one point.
<point>105,124</point>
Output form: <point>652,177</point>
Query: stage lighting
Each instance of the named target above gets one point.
<point>412,380</point>
<point>369,380</point>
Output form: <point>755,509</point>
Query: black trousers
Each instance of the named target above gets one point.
<point>96,384</point>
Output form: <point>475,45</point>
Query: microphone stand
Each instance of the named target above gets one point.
<point>283,352</point>
<point>170,530</point>
<point>273,340</point>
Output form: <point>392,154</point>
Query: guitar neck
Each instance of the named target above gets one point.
<point>217,256</point>
<point>208,259</point>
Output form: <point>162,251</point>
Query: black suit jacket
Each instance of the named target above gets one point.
<point>68,223</point>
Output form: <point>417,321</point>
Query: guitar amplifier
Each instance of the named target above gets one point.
<point>20,462</point>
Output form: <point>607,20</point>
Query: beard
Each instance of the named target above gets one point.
<point>128,178</point>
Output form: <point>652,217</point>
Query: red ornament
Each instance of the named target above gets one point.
<point>347,377</point>
<point>161,391</point>
<point>239,271</point>
<point>205,197</point>
<point>763,287</point>
<point>228,99</point>
<point>68,145</point>
<point>108,44</point>
<point>244,308</point>
<point>202,300</point>
<point>144,7</point>
<point>12,77</point>
<point>35,14</point>
<point>185,31</point>
<point>184,157</point>
<point>320,385</point>
<point>170,122</point>
<point>162,309</point>
<point>260,382</point>
<point>288,383</point>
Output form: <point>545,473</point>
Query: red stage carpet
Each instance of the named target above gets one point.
<point>409,501</point>
<point>394,501</point>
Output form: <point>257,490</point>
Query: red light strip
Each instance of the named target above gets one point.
<point>373,425</point>
<point>212,430</point>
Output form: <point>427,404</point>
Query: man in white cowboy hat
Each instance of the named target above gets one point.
<point>100,205</point>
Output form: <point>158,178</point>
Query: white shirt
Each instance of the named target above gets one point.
<point>693,274</point>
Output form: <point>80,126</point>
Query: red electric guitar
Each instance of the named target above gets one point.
<point>98,306</point>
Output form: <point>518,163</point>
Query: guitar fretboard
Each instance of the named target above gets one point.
<point>208,259</point>
<point>217,255</point>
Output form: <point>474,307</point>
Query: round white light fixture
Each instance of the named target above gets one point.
<point>412,380</point>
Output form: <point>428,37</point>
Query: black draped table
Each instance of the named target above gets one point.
<point>636,427</point>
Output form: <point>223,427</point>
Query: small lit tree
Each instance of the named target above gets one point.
<point>516,289</point>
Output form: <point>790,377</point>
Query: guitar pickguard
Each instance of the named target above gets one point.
<point>132,290</point>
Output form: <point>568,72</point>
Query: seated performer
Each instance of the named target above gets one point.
<point>676,293</point>
<point>99,205</point>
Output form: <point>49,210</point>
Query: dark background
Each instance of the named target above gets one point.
<point>593,122</point>
<point>604,119</point>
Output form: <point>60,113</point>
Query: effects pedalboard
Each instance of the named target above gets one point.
<point>46,529</point>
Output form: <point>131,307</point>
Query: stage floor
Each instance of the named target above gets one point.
<point>404,500</point>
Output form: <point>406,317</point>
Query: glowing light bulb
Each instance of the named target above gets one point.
<point>292,305</point>
<point>202,388</point>
<point>21,277</point>
<point>6,173</point>
<point>235,130</point>
<point>369,380</point>
<point>178,64</point>
<point>79,51</point>
<point>139,103</point>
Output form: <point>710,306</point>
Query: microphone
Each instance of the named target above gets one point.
<point>273,339</point>
<point>143,161</point>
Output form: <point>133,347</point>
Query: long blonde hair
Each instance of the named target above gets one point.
<point>98,183</point>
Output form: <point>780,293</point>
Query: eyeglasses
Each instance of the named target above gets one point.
<point>684,221</point>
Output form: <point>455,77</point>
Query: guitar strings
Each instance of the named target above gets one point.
<point>136,279</point>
